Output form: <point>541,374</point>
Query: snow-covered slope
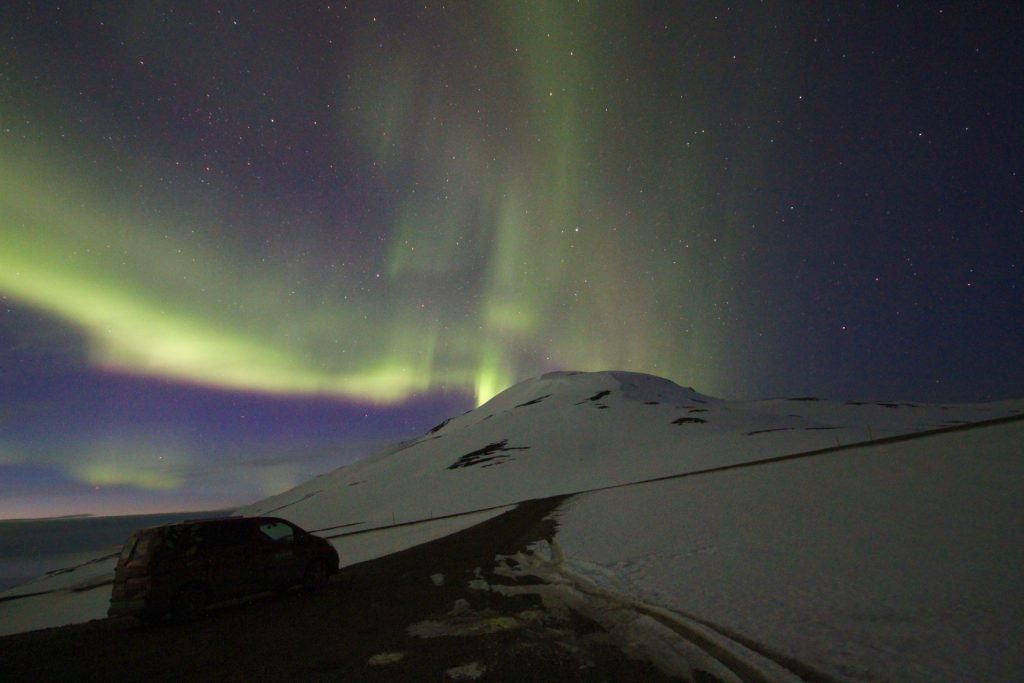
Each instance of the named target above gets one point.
<point>567,432</point>
<point>775,552</point>
<point>900,561</point>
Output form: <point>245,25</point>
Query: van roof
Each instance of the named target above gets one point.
<point>208,520</point>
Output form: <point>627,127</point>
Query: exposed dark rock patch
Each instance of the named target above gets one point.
<point>765,431</point>
<point>434,430</point>
<point>536,400</point>
<point>886,404</point>
<point>805,398</point>
<point>688,420</point>
<point>652,403</point>
<point>596,397</point>
<point>698,410</point>
<point>492,451</point>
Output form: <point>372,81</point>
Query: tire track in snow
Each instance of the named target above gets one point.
<point>742,657</point>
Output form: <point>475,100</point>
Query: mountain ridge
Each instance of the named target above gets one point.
<point>571,431</point>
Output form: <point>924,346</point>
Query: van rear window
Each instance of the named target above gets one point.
<point>138,547</point>
<point>129,547</point>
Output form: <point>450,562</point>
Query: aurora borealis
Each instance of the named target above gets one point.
<point>350,220</point>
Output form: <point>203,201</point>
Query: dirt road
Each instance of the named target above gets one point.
<point>357,629</point>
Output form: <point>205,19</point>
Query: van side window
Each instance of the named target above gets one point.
<point>221,536</point>
<point>183,540</point>
<point>278,532</point>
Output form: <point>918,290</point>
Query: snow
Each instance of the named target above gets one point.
<point>467,672</point>
<point>570,432</point>
<point>77,593</point>
<point>674,643</point>
<point>53,609</point>
<point>893,562</point>
<point>27,569</point>
<point>385,658</point>
<point>869,558</point>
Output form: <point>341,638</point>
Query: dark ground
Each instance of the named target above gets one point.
<point>332,634</point>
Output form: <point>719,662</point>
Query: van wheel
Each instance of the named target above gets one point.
<point>316,575</point>
<point>190,604</point>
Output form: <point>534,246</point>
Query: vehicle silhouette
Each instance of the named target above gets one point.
<point>179,569</point>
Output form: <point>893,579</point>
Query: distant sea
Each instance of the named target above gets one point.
<point>30,548</point>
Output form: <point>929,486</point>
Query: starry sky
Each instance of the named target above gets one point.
<point>242,243</point>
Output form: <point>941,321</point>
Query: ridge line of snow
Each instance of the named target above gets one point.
<point>809,454</point>
<point>415,521</point>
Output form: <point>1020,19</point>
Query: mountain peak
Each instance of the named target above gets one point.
<point>571,387</point>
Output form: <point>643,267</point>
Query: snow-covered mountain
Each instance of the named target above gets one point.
<point>867,540</point>
<point>567,432</point>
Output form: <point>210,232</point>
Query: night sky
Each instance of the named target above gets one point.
<point>242,243</point>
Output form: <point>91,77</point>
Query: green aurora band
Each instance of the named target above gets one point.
<point>535,198</point>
